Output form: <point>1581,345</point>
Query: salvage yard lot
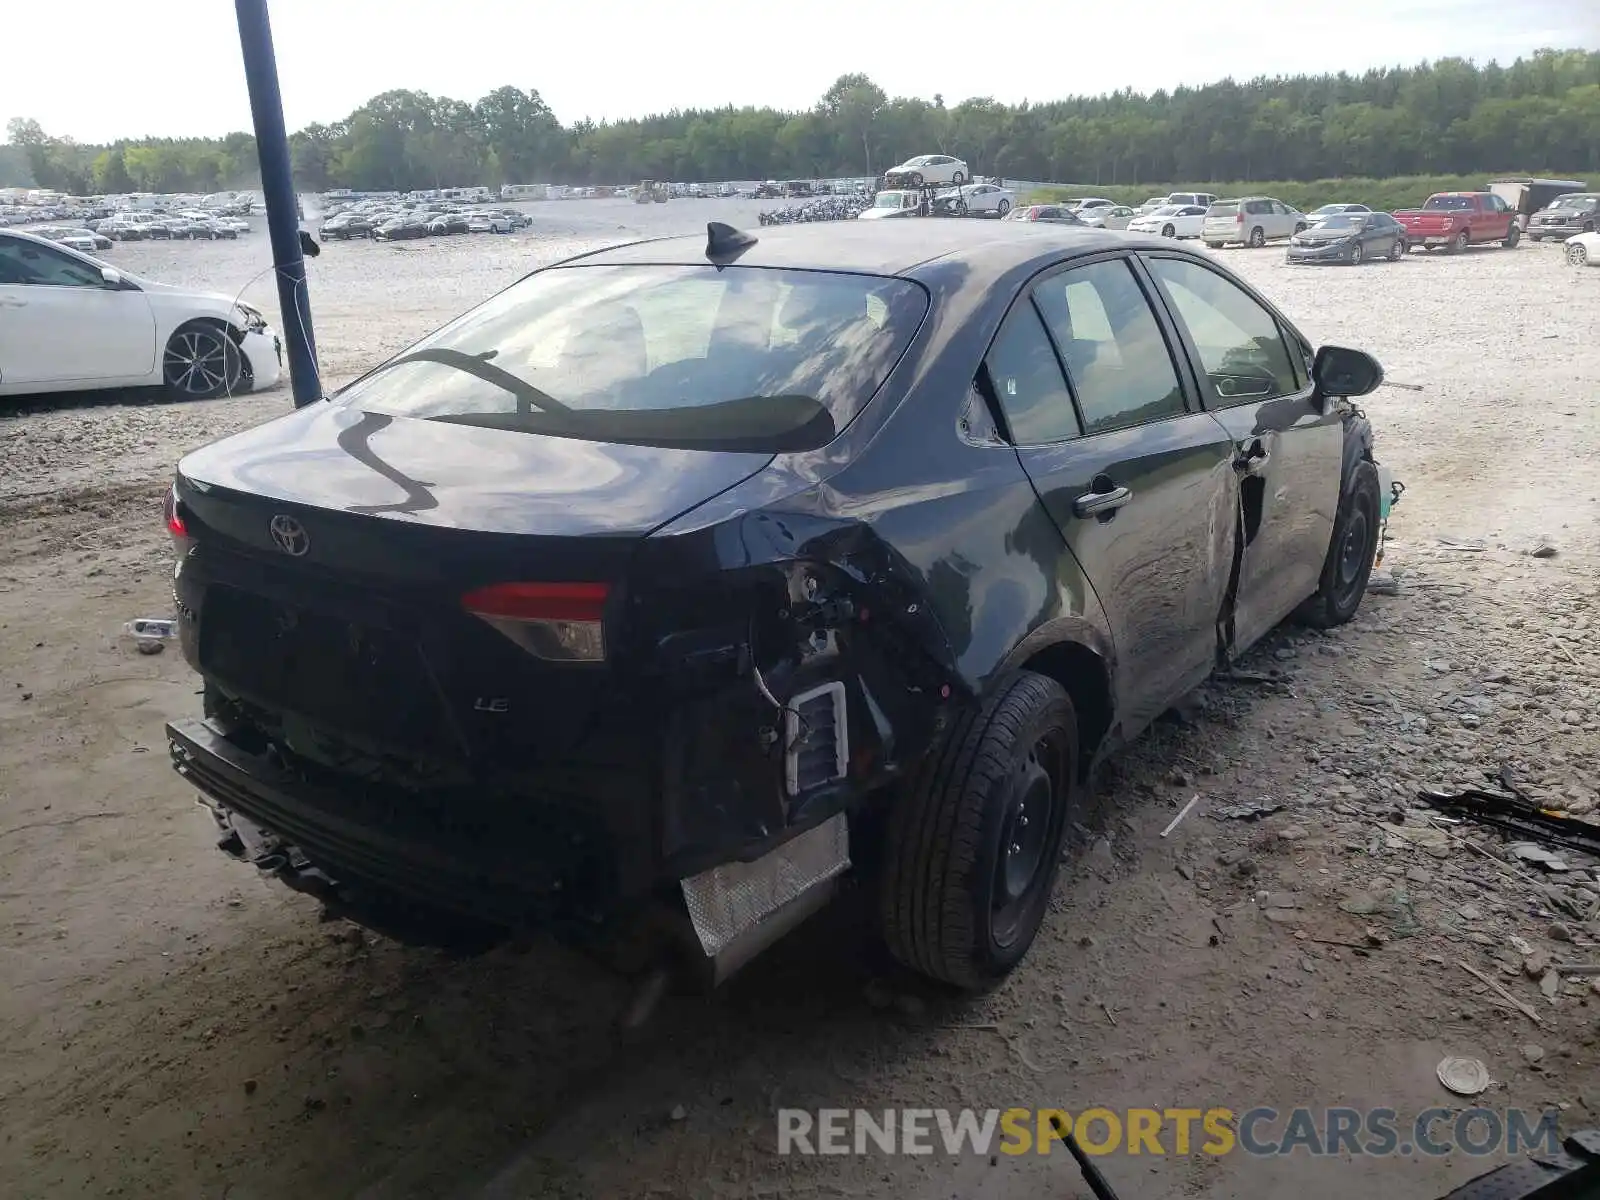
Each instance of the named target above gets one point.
<point>174,1025</point>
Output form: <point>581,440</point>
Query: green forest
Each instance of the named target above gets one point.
<point>1449,117</point>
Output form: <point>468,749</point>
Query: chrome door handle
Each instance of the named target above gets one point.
<point>1097,504</point>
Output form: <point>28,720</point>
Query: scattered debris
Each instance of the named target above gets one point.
<point>1252,810</point>
<point>1182,813</point>
<point>1465,545</point>
<point>1464,1076</point>
<point>1516,814</point>
<point>1383,583</point>
<point>1542,546</point>
<point>1577,968</point>
<point>1522,1008</point>
<point>1529,852</point>
<point>1550,984</point>
<point>678,1113</point>
<point>1532,1052</point>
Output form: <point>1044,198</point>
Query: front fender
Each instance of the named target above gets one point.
<point>1358,440</point>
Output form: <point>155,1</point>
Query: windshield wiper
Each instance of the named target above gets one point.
<point>528,396</point>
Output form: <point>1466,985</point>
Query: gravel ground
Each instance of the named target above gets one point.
<point>172,1025</point>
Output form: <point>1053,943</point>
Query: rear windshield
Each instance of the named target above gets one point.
<point>689,357</point>
<point>1229,209</point>
<point>1451,203</point>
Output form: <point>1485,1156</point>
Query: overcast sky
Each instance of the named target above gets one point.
<point>101,69</point>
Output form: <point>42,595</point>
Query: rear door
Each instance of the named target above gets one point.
<point>1136,478</point>
<point>1255,379</point>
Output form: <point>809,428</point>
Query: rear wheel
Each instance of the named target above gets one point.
<point>1003,208</point>
<point>975,836</point>
<point>1258,238</point>
<point>1578,255</point>
<point>1168,231</point>
<point>1350,554</point>
<point>1398,250</point>
<point>201,362</point>
<point>916,179</point>
<point>958,179</point>
<point>1513,236</point>
<point>1463,240</point>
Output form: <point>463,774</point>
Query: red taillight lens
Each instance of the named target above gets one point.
<point>1239,220</point>
<point>555,621</point>
<point>539,601</point>
<point>169,506</point>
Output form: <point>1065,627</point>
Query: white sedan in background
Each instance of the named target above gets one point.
<point>929,168</point>
<point>981,199</point>
<point>1171,220</point>
<point>69,322</point>
<point>1583,250</point>
<point>1117,216</point>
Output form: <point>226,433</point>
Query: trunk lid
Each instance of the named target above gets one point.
<point>331,551</point>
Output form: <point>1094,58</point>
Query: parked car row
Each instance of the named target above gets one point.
<point>384,221</point>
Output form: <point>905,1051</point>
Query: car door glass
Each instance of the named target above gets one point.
<point>1241,348</point>
<point>27,262</point>
<point>1027,381</point>
<point>1117,360</point>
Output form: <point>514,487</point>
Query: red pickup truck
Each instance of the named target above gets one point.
<point>1456,220</point>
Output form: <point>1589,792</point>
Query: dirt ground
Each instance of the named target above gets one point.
<point>173,1025</point>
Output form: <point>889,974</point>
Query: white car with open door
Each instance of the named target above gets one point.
<point>1583,250</point>
<point>69,322</point>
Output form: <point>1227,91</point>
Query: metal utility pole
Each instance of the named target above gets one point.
<point>277,186</point>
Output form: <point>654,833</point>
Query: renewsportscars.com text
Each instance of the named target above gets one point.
<point>1258,1131</point>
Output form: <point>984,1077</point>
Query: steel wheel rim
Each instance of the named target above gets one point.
<point>1031,812</point>
<point>196,362</point>
<point>1353,549</point>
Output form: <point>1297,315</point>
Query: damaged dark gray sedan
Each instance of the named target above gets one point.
<point>680,581</point>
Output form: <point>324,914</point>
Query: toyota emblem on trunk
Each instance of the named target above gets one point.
<point>290,535</point>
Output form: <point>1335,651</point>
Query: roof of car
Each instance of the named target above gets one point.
<point>883,247</point>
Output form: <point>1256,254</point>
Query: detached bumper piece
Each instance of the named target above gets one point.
<point>423,868</point>
<point>738,909</point>
<point>1573,1171</point>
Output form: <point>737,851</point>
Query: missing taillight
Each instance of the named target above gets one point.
<point>560,622</point>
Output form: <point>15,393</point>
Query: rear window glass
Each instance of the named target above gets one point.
<point>683,356</point>
<point>1231,208</point>
<point>1449,203</point>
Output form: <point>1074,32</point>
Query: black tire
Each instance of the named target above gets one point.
<point>916,179</point>
<point>1513,236</point>
<point>1535,238</point>
<point>958,179</point>
<point>1350,554</point>
<point>1003,208</point>
<point>1357,255</point>
<point>967,875</point>
<point>201,362</point>
<point>1213,245</point>
<point>1462,241</point>
<point>1258,238</point>
<point>1168,231</point>
<point>1397,250</point>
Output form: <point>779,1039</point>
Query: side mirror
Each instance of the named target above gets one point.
<point>112,276</point>
<point>1340,371</point>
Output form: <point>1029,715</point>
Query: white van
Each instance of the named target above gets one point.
<point>1202,199</point>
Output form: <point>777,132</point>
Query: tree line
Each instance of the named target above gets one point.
<point>1445,117</point>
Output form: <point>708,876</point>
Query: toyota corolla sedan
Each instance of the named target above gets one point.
<point>681,579</point>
